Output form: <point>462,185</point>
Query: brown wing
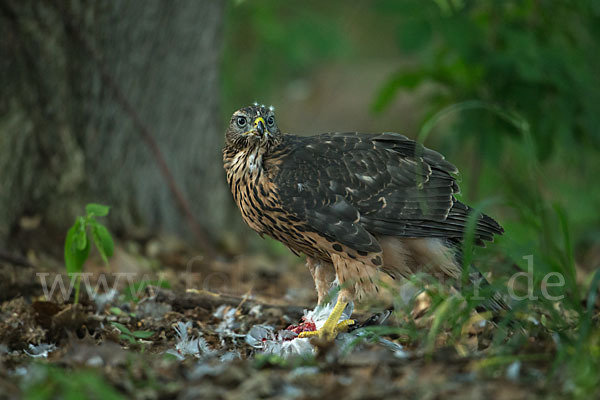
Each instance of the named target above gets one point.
<point>348,186</point>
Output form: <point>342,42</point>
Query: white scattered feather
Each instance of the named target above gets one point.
<point>513,370</point>
<point>101,300</point>
<point>283,343</point>
<point>320,313</point>
<point>286,343</point>
<point>197,346</point>
<point>228,324</point>
<point>230,356</point>
<point>20,372</point>
<point>255,311</point>
<point>95,361</point>
<point>41,350</point>
<point>303,371</point>
<point>194,346</point>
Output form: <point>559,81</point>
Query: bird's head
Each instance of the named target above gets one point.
<point>253,126</point>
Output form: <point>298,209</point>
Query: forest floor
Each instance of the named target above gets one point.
<point>124,343</point>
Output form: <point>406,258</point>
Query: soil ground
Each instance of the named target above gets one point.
<point>96,357</point>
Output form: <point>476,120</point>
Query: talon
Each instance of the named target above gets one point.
<point>331,328</point>
<point>345,325</point>
<point>322,333</point>
<point>308,334</point>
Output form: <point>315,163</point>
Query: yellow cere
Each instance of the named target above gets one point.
<point>257,120</point>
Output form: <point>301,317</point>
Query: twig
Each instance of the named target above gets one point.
<point>192,299</point>
<point>244,298</point>
<point>203,238</point>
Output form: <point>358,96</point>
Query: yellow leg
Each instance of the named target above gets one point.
<point>331,328</point>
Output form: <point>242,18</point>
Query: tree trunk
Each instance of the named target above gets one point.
<point>66,139</point>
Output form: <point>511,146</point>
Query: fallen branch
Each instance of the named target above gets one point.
<point>191,299</point>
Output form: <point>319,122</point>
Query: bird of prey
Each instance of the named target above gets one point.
<point>355,204</point>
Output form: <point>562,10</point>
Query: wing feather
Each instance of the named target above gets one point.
<point>350,187</point>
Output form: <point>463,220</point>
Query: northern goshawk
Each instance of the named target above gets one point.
<point>355,204</point>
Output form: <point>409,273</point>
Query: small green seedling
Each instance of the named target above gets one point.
<point>77,244</point>
<point>130,336</point>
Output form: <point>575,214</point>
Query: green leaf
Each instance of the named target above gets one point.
<point>129,338</point>
<point>442,314</point>
<point>75,256</point>
<point>115,310</point>
<point>97,210</point>
<point>569,268</point>
<point>103,241</point>
<point>122,328</point>
<point>586,318</point>
<point>414,34</point>
<point>142,334</point>
<point>80,235</point>
<point>400,80</point>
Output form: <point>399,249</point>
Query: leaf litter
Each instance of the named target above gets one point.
<point>217,343</point>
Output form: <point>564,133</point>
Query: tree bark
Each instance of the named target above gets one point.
<point>66,140</point>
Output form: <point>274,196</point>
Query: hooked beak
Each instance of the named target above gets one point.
<point>259,125</point>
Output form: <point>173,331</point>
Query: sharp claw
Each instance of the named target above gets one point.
<point>308,334</point>
<point>329,335</point>
<point>345,325</point>
<point>331,327</point>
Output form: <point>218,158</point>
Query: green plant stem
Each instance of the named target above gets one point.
<point>77,285</point>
